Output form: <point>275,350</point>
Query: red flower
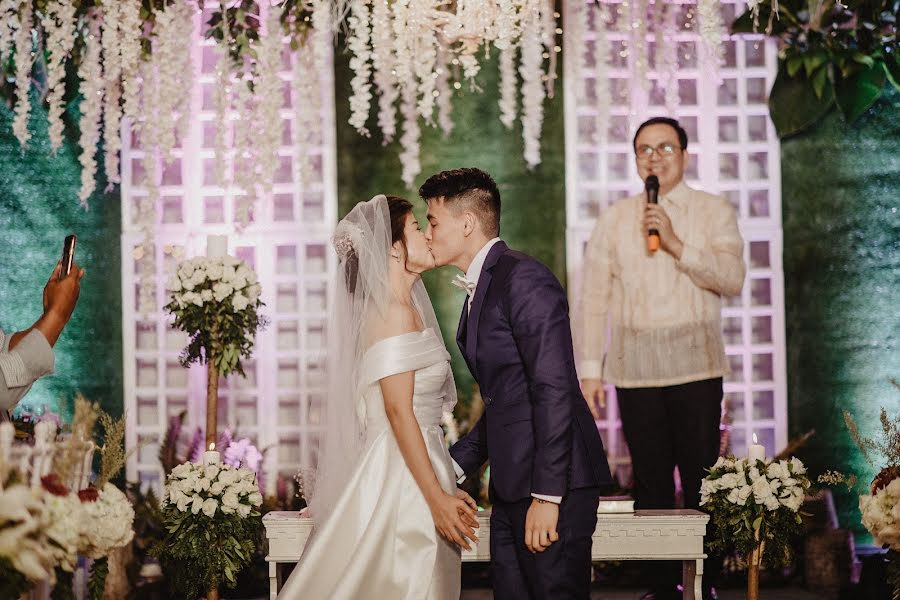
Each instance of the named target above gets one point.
<point>53,485</point>
<point>887,475</point>
<point>89,494</point>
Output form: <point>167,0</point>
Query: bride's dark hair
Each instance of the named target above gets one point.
<point>398,208</point>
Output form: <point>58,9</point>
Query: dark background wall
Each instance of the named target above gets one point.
<point>38,208</point>
<point>841,207</point>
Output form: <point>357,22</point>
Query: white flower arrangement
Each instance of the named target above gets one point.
<point>130,26</point>
<point>383,65</point>
<point>881,514</point>
<point>200,280</point>
<point>777,484</point>
<point>65,528</point>
<point>112,73</point>
<point>712,29</point>
<point>25,523</point>
<point>212,489</point>
<point>532,86</point>
<point>106,522</point>
<point>9,24</point>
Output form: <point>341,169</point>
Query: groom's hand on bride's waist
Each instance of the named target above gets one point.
<point>540,525</point>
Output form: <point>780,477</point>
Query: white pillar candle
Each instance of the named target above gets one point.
<point>211,456</point>
<point>216,246</point>
<point>756,451</point>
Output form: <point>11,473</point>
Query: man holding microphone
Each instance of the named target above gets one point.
<point>654,276</point>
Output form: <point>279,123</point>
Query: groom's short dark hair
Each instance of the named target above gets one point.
<point>467,189</point>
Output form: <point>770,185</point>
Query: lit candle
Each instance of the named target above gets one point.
<point>756,451</point>
<point>216,246</point>
<point>211,456</point>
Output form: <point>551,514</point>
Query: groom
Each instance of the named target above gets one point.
<point>547,459</point>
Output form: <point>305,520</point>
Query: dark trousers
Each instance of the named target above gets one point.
<point>561,572</point>
<point>666,427</point>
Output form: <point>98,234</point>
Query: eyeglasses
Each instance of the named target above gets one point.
<point>664,150</point>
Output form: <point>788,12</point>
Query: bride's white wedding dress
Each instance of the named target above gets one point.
<point>380,540</point>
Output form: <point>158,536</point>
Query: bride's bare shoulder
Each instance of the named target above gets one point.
<point>397,319</point>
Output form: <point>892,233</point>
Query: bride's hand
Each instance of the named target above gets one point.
<point>454,518</point>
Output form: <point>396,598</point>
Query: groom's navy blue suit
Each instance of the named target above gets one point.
<point>536,429</point>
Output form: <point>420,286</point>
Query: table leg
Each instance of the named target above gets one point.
<point>274,583</point>
<point>692,579</point>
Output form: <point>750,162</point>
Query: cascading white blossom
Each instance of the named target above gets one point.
<point>425,51</point>
<point>244,155</point>
<point>112,73</point>
<point>404,40</point>
<point>322,32</point>
<point>508,81</point>
<point>445,94</point>
<point>602,91</point>
<point>410,140</point>
<point>24,60</point>
<point>222,105</point>
<point>307,110</point>
<point>712,29</point>
<point>667,55</point>
<point>172,56</point>
<point>268,92</point>
<point>148,128</point>
<point>532,85</point>
<point>548,38</point>
<point>59,27</point>
<point>383,65</point>
<point>639,37</point>
<point>90,72</point>
<point>130,25</point>
<point>358,44</point>
<point>9,25</point>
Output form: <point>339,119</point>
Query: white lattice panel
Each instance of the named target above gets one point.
<point>277,405</point>
<point>735,152</point>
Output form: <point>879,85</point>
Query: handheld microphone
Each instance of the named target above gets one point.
<point>652,188</point>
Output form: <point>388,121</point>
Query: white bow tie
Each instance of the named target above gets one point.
<point>462,283</point>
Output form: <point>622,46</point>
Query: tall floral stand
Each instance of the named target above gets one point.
<point>753,567</point>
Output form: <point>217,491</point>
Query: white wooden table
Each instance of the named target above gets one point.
<point>642,535</point>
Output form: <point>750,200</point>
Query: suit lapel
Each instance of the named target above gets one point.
<point>484,283</point>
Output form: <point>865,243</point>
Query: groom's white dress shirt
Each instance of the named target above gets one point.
<point>472,275</point>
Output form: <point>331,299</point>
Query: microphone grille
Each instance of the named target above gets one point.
<point>652,183</point>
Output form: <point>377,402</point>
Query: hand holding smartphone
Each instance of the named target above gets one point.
<point>68,256</point>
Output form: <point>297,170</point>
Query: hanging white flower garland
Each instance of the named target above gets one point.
<point>90,72</point>
<point>130,26</point>
<point>9,25</point>
<point>59,27</point>
<point>383,65</point>
<point>112,73</point>
<point>358,44</point>
<point>24,61</point>
<point>532,86</point>
<point>711,28</point>
<point>307,105</point>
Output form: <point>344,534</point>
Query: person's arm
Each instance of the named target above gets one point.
<point>60,298</point>
<point>454,517</point>
<point>596,289</point>
<point>719,264</point>
<point>470,451</point>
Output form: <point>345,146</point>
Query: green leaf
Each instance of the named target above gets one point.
<point>856,93</point>
<point>814,60</point>
<point>819,79</point>
<point>794,104</point>
<point>793,65</point>
<point>863,59</point>
<point>892,69</point>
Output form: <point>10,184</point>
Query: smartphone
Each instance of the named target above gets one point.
<point>68,255</point>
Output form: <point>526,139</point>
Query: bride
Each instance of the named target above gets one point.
<point>389,519</point>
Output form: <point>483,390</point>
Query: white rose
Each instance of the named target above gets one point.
<point>214,272</point>
<point>182,503</point>
<point>797,466</point>
<point>230,261</point>
<point>202,484</point>
<point>221,291</point>
<point>240,302</point>
<point>174,284</point>
<point>239,283</point>
<point>197,504</point>
<point>230,499</point>
<point>198,277</point>
<point>228,476</point>
<point>188,284</point>
<point>893,488</point>
<point>216,488</point>
<point>253,292</point>
<point>182,470</point>
<point>207,295</point>
<point>209,507</point>
<point>255,498</point>
<point>243,510</point>
<point>185,270</point>
<point>227,274</point>
<point>211,471</point>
